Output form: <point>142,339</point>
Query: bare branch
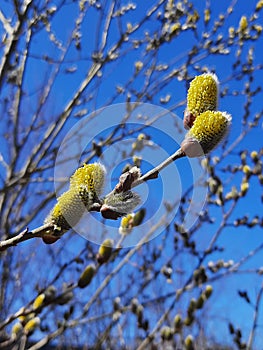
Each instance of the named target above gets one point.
<point>153,173</point>
<point>255,320</point>
<point>24,236</point>
<point>6,24</point>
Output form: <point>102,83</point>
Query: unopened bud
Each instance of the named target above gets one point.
<point>126,224</point>
<point>178,323</point>
<point>200,301</point>
<point>244,188</point>
<point>254,155</point>
<point>16,329</point>
<point>139,313</point>
<point>134,305</point>
<point>189,343</point>
<point>246,169</point>
<point>166,333</point>
<point>138,217</point>
<point>31,325</point>
<point>50,293</point>
<point>189,320</point>
<point>39,301</point>
<point>243,24</point>
<point>259,5</point>
<point>65,298</point>
<point>208,291</point>
<point>192,306</point>
<point>105,251</point>
<point>119,204</point>
<point>86,276</point>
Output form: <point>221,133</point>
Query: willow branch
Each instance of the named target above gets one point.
<point>40,231</point>
<point>255,320</point>
<point>153,173</point>
<point>24,236</point>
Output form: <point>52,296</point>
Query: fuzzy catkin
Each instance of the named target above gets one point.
<point>208,129</point>
<point>86,185</point>
<point>203,94</point>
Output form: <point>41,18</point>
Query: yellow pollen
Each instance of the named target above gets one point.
<point>202,94</point>
<point>209,128</point>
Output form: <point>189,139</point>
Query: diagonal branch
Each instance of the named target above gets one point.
<point>40,231</point>
<point>153,173</point>
<point>255,320</point>
<point>24,236</point>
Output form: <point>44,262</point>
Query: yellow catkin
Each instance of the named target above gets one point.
<point>68,210</point>
<point>246,169</point>
<point>32,324</point>
<point>126,224</point>
<point>16,329</point>
<point>207,15</point>
<point>208,125</point>
<point>208,291</point>
<point>86,185</point>
<point>259,5</point>
<point>254,155</point>
<point>189,343</point>
<point>202,94</point>
<point>244,187</point>
<point>208,130</point>
<point>90,176</point>
<point>138,66</point>
<point>243,24</point>
<point>38,302</point>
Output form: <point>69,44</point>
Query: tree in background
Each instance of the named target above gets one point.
<point>189,287</point>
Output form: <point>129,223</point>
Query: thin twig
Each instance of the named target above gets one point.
<point>153,173</point>
<point>24,236</point>
<point>104,284</point>
<point>38,232</point>
<point>255,320</point>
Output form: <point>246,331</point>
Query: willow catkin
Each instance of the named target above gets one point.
<point>208,129</point>
<point>86,185</point>
<point>202,96</point>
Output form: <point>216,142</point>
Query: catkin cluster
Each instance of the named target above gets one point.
<point>207,126</point>
<point>86,185</point>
